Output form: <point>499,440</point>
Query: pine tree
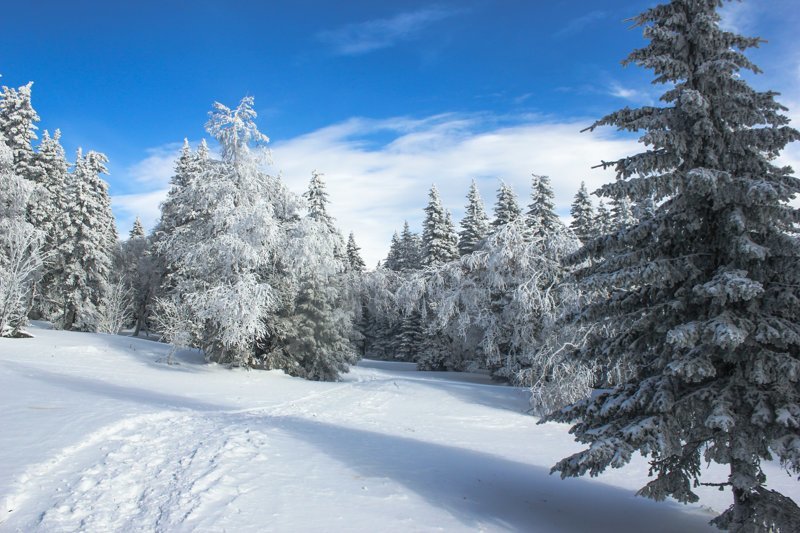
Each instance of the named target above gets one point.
<point>622,213</point>
<point>176,209</point>
<point>506,209</point>
<point>354,255</point>
<point>88,244</point>
<point>20,246</point>
<point>317,198</point>
<point>50,171</point>
<point>141,273</point>
<point>393,258</point>
<point>705,309</point>
<point>220,239</point>
<point>438,234</point>
<point>541,217</point>
<point>583,223</point>
<point>18,124</point>
<point>603,221</point>
<point>137,231</point>
<point>410,250</point>
<point>475,224</point>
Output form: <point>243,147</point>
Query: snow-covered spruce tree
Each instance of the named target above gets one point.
<point>506,208</point>
<point>18,124</point>
<point>439,239</point>
<point>87,245</point>
<point>317,200</point>
<point>475,224</point>
<point>50,171</point>
<point>316,342</point>
<point>410,250</point>
<point>705,295</point>
<point>385,319</point>
<point>622,213</point>
<point>20,246</point>
<point>354,260</point>
<point>220,238</point>
<point>315,339</point>
<point>541,217</point>
<point>392,261</point>
<point>583,217</point>
<point>141,272</point>
<point>603,222</point>
<point>383,316</point>
<point>137,230</point>
<point>439,247</point>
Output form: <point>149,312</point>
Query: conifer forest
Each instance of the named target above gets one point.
<point>657,322</point>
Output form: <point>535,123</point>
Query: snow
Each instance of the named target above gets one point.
<point>98,435</point>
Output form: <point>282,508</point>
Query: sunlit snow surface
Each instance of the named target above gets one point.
<point>96,434</point>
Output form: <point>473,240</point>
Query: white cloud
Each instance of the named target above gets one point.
<point>157,168</point>
<point>360,38</point>
<point>373,189</point>
<point>738,17</point>
<point>144,205</point>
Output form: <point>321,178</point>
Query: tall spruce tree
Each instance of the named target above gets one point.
<point>88,245</point>
<point>705,295</point>
<point>475,224</point>
<point>410,249</point>
<point>541,217</point>
<point>583,223</point>
<point>137,230</point>
<point>317,198</point>
<point>439,240</point>
<point>354,260</point>
<point>603,223</point>
<point>20,246</point>
<point>51,172</point>
<point>393,258</point>
<point>220,239</point>
<point>506,208</point>
<point>18,124</point>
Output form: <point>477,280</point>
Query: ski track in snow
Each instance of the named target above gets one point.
<point>162,471</point>
<point>386,448</point>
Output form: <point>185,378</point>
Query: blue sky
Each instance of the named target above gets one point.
<point>385,98</point>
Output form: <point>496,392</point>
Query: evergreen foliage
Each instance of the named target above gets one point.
<point>88,244</point>
<point>18,124</point>
<point>602,220</point>
<point>622,213</point>
<point>583,223</point>
<point>317,200</point>
<point>439,239</point>
<point>541,217</point>
<point>704,294</point>
<point>21,250</point>
<point>354,260</point>
<point>475,224</point>
<point>506,208</point>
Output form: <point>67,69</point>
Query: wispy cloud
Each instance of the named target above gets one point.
<point>578,24</point>
<point>634,95</point>
<point>364,37</point>
<point>157,167</point>
<point>738,17</point>
<point>374,188</point>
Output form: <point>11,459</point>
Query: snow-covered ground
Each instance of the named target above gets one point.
<point>96,434</point>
